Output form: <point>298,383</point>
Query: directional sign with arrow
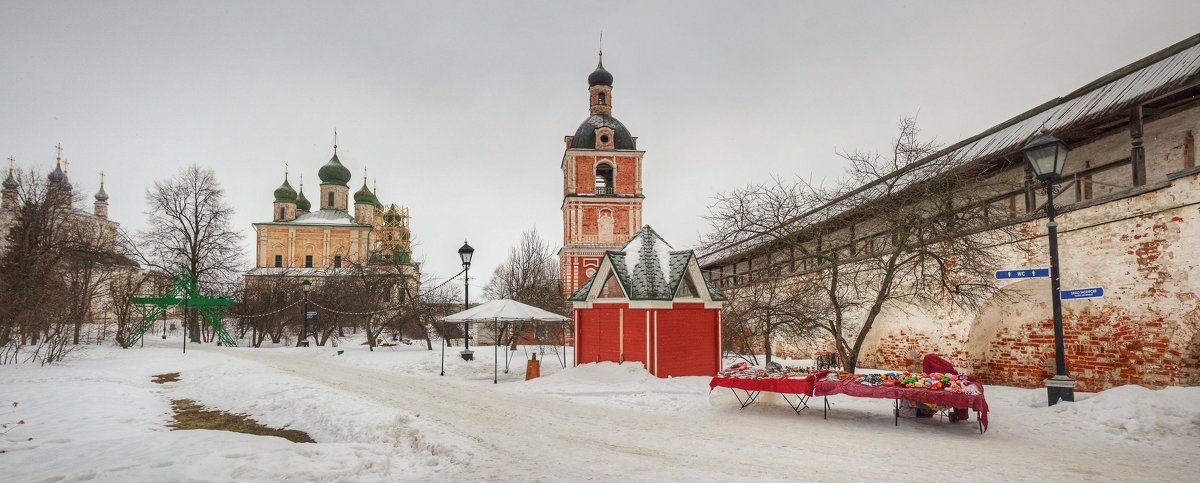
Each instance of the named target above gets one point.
<point>1023,273</point>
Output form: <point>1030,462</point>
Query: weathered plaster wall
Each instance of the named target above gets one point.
<point>1143,250</point>
<point>1146,330</point>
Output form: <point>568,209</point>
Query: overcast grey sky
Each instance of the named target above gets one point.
<point>458,109</point>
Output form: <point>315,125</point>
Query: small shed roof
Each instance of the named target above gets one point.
<point>648,269</point>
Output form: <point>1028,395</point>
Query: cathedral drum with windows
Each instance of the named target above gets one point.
<point>602,186</point>
<point>332,239</point>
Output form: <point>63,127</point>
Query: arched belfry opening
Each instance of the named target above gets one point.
<point>604,179</point>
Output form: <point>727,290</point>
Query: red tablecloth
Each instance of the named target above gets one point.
<point>786,386</point>
<point>922,395</point>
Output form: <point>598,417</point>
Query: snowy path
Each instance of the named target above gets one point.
<point>526,436</point>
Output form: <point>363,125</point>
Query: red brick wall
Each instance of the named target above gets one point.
<point>626,182</point>
<point>1104,348</point>
<point>626,174</point>
<point>585,176</point>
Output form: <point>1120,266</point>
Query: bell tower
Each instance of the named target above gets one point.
<point>602,185</point>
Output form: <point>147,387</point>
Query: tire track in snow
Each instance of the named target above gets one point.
<point>522,436</point>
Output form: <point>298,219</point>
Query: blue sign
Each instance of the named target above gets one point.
<point>1023,273</point>
<point>1081,293</point>
<point>312,314</point>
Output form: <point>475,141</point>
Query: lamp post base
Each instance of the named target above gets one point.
<point>1060,388</point>
<point>468,355</point>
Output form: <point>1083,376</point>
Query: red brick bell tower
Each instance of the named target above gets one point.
<point>602,186</point>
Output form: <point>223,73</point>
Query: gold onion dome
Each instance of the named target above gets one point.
<point>284,193</point>
<point>334,172</point>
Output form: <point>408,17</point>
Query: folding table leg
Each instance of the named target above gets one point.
<point>801,402</point>
<point>750,397</point>
<point>896,411</point>
<point>826,406</point>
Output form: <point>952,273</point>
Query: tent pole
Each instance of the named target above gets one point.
<point>443,347</point>
<point>495,355</point>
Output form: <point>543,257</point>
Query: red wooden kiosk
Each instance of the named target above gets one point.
<point>649,304</point>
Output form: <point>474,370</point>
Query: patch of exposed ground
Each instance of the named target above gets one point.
<point>189,415</point>
<point>165,378</point>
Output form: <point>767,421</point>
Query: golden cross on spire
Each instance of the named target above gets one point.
<point>66,165</point>
<point>301,181</point>
<point>602,44</point>
<point>285,170</point>
<point>11,162</point>
<point>102,180</point>
<point>335,140</point>
<point>58,153</point>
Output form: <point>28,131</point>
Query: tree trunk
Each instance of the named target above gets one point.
<point>193,325</point>
<point>767,343</point>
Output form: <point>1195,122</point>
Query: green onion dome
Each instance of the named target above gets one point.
<point>284,193</point>
<point>333,172</point>
<point>302,203</point>
<point>364,196</point>
<point>392,215</point>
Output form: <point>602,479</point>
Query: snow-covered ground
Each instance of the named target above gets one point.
<point>388,415</point>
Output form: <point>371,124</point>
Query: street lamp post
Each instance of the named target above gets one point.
<point>465,253</point>
<point>305,286</point>
<point>1047,155</point>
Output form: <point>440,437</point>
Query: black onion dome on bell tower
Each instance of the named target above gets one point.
<point>585,136</point>
<point>600,77</point>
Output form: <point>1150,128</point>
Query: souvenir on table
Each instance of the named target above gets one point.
<point>918,380</point>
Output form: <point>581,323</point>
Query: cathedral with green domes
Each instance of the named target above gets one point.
<point>339,232</point>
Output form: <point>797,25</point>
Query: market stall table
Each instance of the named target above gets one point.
<point>801,387</point>
<point>851,387</point>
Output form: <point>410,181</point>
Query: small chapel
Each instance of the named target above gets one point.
<point>339,232</point>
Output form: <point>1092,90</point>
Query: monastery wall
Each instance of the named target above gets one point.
<point>1145,330</point>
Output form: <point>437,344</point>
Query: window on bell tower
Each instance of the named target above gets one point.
<point>602,98</point>
<point>329,202</point>
<point>604,179</point>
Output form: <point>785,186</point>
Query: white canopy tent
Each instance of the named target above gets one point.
<point>496,312</point>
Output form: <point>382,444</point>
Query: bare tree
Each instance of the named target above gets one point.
<point>773,307</point>
<point>123,285</point>
<point>50,270</point>
<point>264,299</point>
<point>189,228</point>
<point>903,228</point>
<point>529,275</point>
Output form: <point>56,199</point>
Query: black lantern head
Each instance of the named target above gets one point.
<point>305,286</point>
<point>465,254</point>
<point>1047,155</point>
